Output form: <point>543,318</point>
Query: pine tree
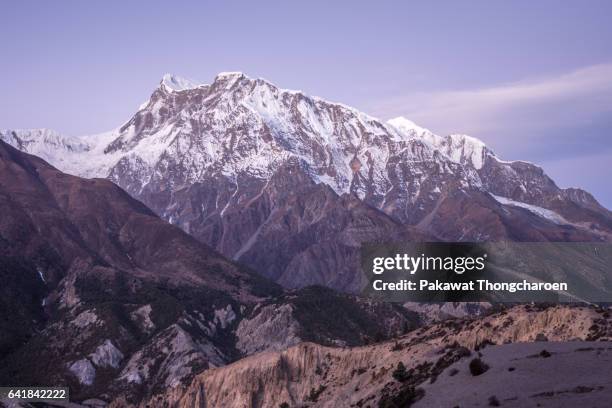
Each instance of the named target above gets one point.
<point>400,373</point>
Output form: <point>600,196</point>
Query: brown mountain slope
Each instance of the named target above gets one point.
<point>105,297</point>
<point>82,255</point>
<point>96,221</point>
<point>310,375</point>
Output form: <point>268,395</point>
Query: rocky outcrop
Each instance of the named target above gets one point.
<point>168,359</point>
<point>271,327</point>
<point>321,315</point>
<point>313,375</point>
<point>434,312</point>
<point>107,355</point>
<point>84,371</point>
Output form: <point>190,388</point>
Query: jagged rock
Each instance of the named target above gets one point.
<point>224,317</point>
<point>272,328</point>
<point>107,355</point>
<point>142,315</point>
<point>84,371</point>
<point>434,312</point>
<point>169,358</point>
<point>85,319</point>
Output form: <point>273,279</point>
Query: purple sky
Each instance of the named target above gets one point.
<point>532,79</point>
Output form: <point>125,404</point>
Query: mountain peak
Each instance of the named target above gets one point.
<point>231,74</point>
<point>228,79</point>
<point>175,83</point>
<point>407,126</point>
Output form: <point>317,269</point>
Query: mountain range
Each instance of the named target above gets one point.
<point>206,253</point>
<point>291,185</point>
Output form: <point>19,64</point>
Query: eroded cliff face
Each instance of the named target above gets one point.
<point>313,375</point>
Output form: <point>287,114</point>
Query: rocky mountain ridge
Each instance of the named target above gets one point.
<point>291,185</point>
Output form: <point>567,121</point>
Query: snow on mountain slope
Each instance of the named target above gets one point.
<point>61,151</point>
<point>542,212</point>
<point>461,149</point>
<point>188,131</point>
<point>176,83</point>
<point>408,127</point>
<point>238,124</point>
<point>465,149</point>
<point>241,125</point>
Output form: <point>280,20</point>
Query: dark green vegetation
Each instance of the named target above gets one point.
<point>402,399</point>
<point>405,391</point>
<point>400,374</point>
<point>325,314</point>
<point>478,367</point>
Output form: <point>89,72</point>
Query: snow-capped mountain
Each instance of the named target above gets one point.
<point>275,178</point>
<point>62,151</point>
<point>239,126</point>
<point>462,149</point>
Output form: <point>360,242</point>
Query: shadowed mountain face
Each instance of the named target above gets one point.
<point>55,215</point>
<point>79,258</point>
<point>102,295</point>
<point>291,185</point>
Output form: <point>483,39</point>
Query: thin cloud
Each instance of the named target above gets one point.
<point>528,106</point>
